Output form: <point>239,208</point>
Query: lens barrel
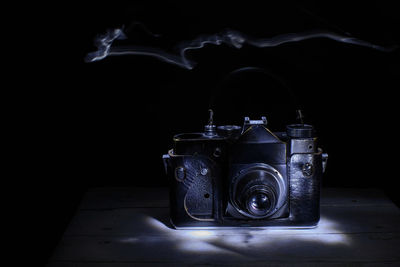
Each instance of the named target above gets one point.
<point>257,191</point>
<point>259,204</point>
<point>259,200</point>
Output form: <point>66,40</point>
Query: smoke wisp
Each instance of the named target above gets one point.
<point>106,47</point>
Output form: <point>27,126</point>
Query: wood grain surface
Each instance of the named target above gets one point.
<point>130,227</point>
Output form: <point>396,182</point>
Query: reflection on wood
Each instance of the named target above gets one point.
<point>130,226</point>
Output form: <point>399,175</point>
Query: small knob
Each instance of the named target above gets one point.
<point>210,128</point>
<point>211,117</point>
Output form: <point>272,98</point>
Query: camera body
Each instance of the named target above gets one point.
<point>231,176</point>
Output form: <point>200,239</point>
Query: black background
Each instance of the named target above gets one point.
<point>107,123</point>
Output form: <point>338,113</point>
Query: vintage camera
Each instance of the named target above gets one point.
<point>231,176</point>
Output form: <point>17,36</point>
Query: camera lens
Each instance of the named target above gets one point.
<point>258,192</point>
<point>259,204</point>
<point>258,199</point>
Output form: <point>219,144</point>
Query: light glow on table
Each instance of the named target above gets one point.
<point>241,239</point>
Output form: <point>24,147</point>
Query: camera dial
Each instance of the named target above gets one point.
<point>300,131</point>
<point>230,131</point>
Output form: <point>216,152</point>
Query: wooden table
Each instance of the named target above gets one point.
<point>130,227</point>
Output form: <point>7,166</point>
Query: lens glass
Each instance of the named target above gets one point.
<point>259,204</point>
<point>258,192</point>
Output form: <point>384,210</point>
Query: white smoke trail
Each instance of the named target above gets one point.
<point>233,38</point>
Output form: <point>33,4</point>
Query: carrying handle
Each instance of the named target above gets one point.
<point>269,73</point>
